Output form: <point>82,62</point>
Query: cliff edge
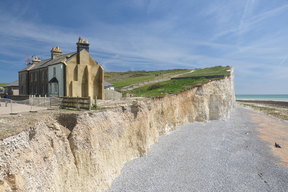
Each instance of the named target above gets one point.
<point>86,151</point>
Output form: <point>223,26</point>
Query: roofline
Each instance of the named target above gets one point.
<point>48,60</point>
<point>56,64</point>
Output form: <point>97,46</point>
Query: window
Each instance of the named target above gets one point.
<point>54,71</point>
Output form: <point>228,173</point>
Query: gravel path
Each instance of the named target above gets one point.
<point>214,156</point>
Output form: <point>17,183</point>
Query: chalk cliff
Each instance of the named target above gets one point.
<point>86,151</point>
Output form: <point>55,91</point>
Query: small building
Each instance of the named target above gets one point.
<point>12,88</point>
<point>74,74</point>
<point>108,86</point>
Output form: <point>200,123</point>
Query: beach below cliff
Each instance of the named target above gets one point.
<point>237,154</point>
<point>278,109</point>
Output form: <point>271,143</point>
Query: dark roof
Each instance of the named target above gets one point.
<point>12,84</point>
<point>106,84</point>
<point>53,80</point>
<point>47,62</point>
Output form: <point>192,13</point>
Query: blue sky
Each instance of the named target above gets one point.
<point>126,35</point>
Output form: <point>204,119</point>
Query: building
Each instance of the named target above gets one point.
<point>108,86</point>
<point>12,88</point>
<point>74,74</point>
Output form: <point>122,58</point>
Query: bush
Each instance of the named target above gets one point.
<point>94,107</point>
<point>154,86</point>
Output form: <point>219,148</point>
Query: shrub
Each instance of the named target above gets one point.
<point>154,86</point>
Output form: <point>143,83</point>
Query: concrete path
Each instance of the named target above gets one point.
<point>214,156</point>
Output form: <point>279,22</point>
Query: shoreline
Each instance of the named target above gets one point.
<point>265,102</point>
<point>278,109</point>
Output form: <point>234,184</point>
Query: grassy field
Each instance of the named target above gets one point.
<point>166,87</point>
<point>3,84</point>
<point>211,71</point>
<point>122,79</point>
<point>178,85</point>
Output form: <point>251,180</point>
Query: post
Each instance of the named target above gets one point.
<point>77,102</point>
<point>11,105</point>
<point>31,104</point>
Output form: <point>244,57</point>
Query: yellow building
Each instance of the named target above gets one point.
<point>84,76</point>
<point>74,74</point>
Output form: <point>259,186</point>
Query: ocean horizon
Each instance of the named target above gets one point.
<point>264,97</point>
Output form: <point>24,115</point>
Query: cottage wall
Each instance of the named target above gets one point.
<point>84,77</point>
<point>23,83</point>
<point>58,72</point>
<point>38,82</point>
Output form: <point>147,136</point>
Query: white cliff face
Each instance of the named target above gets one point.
<point>86,151</point>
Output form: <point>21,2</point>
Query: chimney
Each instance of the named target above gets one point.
<point>82,44</point>
<point>56,52</point>
<point>35,60</point>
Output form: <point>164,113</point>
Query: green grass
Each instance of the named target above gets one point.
<point>218,70</point>
<point>123,79</point>
<point>176,86</point>
<point>166,87</point>
<point>3,84</point>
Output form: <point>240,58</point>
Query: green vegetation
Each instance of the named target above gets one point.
<point>211,71</point>
<point>3,84</point>
<point>122,79</point>
<point>175,86</point>
<point>166,87</point>
<point>95,107</point>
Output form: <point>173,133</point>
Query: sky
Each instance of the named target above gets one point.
<point>250,35</point>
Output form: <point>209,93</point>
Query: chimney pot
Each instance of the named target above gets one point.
<point>82,44</point>
<point>56,52</point>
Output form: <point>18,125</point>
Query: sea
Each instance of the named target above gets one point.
<point>281,97</point>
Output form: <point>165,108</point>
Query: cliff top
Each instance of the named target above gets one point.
<point>182,82</point>
<point>122,79</point>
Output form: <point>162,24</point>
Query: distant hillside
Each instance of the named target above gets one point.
<point>182,83</point>
<point>3,84</point>
<point>122,79</point>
